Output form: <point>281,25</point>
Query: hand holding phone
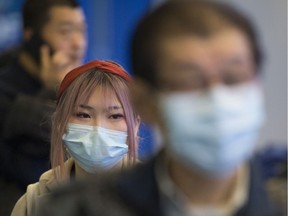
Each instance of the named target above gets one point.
<point>33,46</point>
<point>53,64</point>
<point>54,68</point>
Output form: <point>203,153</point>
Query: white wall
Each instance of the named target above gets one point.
<point>270,18</point>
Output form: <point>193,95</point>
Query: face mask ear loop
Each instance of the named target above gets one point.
<point>67,155</point>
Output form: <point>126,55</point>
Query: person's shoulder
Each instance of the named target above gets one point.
<point>28,201</point>
<point>10,74</point>
<point>9,56</point>
<point>258,202</point>
<point>94,196</point>
<point>101,194</point>
<point>45,184</point>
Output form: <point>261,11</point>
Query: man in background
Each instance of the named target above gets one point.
<point>196,66</point>
<point>54,33</point>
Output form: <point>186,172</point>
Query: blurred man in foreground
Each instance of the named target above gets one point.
<point>196,65</point>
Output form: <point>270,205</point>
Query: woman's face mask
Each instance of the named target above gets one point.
<point>96,135</point>
<point>213,131</point>
<point>95,148</point>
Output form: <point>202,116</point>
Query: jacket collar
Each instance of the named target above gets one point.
<point>138,188</point>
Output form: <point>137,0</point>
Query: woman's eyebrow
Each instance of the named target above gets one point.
<point>111,108</point>
<point>83,106</point>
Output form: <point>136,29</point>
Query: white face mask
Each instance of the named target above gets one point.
<point>213,131</point>
<point>95,148</point>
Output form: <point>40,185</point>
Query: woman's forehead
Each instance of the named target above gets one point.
<point>103,95</point>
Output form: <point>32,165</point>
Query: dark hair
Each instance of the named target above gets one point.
<point>35,13</point>
<point>177,18</point>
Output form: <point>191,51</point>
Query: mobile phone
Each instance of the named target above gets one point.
<point>33,45</point>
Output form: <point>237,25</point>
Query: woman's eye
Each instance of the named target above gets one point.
<point>116,116</point>
<point>82,115</point>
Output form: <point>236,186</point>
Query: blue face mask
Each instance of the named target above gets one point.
<point>95,148</point>
<point>213,131</point>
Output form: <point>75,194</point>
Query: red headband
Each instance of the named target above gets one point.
<point>106,66</point>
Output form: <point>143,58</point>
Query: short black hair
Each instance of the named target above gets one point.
<point>178,18</point>
<point>35,13</point>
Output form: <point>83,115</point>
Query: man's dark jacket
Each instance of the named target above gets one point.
<point>135,192</point>
<point>25,110</point>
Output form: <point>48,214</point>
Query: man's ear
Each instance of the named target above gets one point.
<point>27,34</point>
<point>144,100</point>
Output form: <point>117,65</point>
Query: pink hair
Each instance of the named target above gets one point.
<point>78,93</point>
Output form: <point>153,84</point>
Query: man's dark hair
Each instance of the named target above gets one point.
<point>35,13</point>
<point>179,18</point>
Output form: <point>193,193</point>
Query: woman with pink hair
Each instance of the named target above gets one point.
<point>94,129</point>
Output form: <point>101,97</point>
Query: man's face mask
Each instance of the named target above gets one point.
<point>213,131</point>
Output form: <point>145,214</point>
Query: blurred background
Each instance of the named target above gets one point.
<point>111,22</point>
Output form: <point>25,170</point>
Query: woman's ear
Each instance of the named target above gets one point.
<point>138,121</point>
<point>144,101</point>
